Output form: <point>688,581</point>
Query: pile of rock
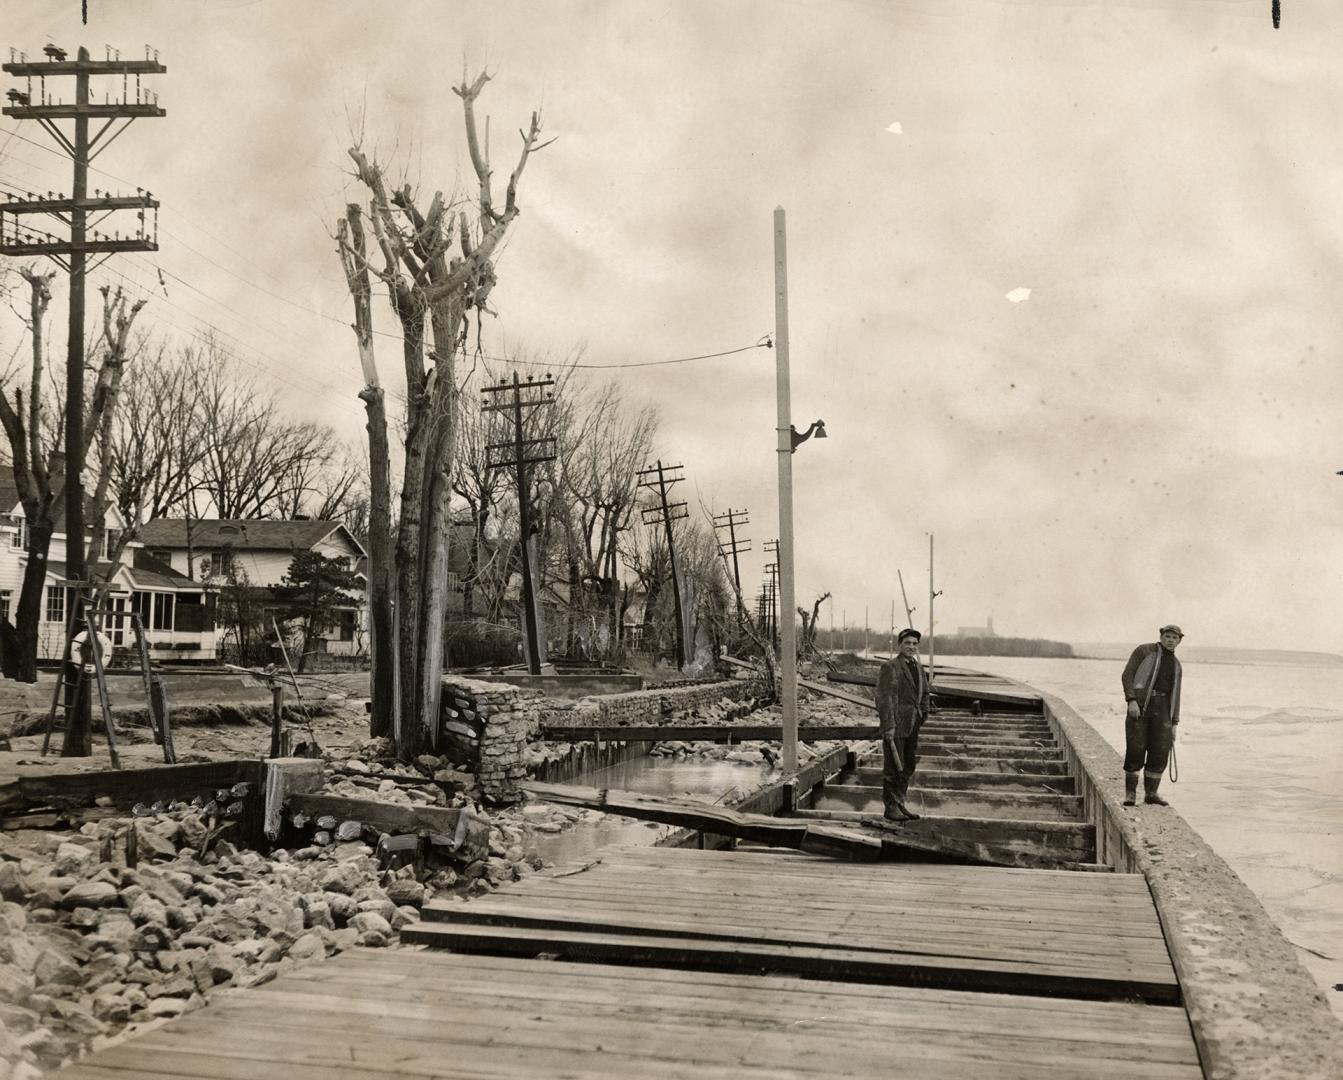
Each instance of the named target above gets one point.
<point>92,948</point>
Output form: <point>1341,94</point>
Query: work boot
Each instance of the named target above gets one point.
<point>1150,784</point>
<point>1130,789</point>
<point>898,811</point>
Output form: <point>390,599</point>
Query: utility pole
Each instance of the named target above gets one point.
<point>904,597</point>
<point>72,255</point>
<point>525,452</point>
<point>734,546</point>
<point>667,513</point>
<point>772,591</point>
<point>786,446</point>
<point>867,624</point>
<point>933,594</point>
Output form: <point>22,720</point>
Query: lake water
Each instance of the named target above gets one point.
<point>1260,756</point>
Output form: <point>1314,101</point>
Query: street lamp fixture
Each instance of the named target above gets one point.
<point>817,428</point>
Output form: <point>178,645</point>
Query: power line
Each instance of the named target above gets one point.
<point>764,342</point>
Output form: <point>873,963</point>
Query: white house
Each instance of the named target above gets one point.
<point>177,613</point>
<point>260,551</point>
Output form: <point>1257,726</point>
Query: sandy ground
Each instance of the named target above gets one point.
<point>342,696</point>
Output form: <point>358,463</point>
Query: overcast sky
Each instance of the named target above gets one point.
<point>1150,435</point>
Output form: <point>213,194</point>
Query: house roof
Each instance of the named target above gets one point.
<point>10,503</point>
<point>145,574</point>
<point>250,534</point>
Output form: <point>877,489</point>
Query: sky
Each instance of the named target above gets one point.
<point>1149,434</point>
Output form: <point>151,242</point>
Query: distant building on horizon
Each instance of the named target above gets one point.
<point>976,631</point>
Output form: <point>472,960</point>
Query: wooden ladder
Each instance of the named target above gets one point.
<point>72,674</point>
<point>71,677</point>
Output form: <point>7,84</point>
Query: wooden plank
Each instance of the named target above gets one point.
<point>126,786</point>
<point>817,837</point>
<point>379,1014</point>
<point>1003,841</point>
<point>1008,977</point>
<point>995,804</point>
<point>984,763</point>
<point>970,938</point>
<point>735,732</point>
<point>968,840</point>
<point>460,832</point>
<point>957,779</point>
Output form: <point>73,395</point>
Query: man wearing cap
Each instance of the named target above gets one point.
<point>902,706</point>
<point>1152,689</point>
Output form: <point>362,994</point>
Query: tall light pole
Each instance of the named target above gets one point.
<point>784,430</point>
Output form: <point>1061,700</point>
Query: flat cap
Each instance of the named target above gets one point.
<point>908,632</point>
<point>1170,627</point>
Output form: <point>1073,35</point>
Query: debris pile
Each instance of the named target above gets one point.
<point>133,920</point>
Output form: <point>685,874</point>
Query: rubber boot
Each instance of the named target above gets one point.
<point>1150,784</point>
<point>1130,789</point>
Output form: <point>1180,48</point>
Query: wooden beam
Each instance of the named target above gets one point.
<point>1025,806</point>
<point>813,837</point>
<point>849,965</point>
<point>963,780</point>
<point>125,787</point>
<point>999,841</point>
<point>458,831</point>
<point>703,732</point>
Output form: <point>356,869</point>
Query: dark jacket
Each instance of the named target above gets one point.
<point>1140,675</point>
<point>902,697</point>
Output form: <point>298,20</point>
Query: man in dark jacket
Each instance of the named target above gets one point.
<point>1152,690</point>
<point>902,706</point>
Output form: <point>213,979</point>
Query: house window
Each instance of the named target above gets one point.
<point>348,621</point>
<point>5,594</point>
<point>140,605</point>
<point>163,611</point>
<point>221,563</point>
<point>19,538</point>
<point>162,554</point>
<point>55,611</point>
<point>343,562</point>
<point>454,581</point>
<point>110,538</point>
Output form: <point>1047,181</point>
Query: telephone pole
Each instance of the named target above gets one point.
<point>525,452</point>
<point>772,590</point>
<point>933,594</point>
<point>72,213</point>
<point>667,513</point>
<point>734,545</point>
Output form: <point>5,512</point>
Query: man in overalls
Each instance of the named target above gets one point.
<point>1152,689</point>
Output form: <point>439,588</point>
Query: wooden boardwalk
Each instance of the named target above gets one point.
<point>712,964</point>
<point>750,963</point>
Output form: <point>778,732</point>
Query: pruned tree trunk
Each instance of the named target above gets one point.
<point>427,291</point>
<point>379,594</point>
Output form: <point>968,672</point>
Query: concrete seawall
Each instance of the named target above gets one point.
<point>1255,1012</point>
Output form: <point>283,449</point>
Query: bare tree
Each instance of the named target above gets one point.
<point>155,451</point>
<point>604,445</point>
<point>807,642</point>
<point>254,461</point>
<point>39,469</point>
<point>437,269</point>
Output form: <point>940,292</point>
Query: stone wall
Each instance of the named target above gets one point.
<point>650,706</point>
<point>486,727</point>
<point>1255,1012</point>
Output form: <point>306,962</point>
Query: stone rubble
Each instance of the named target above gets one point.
<point>93,950</point>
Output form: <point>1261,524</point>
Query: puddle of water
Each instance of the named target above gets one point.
<point>711,780</point>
